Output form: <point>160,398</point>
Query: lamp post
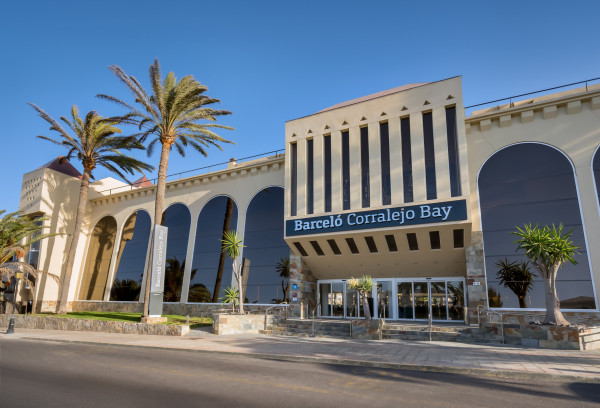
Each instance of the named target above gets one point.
<point>18,276</point>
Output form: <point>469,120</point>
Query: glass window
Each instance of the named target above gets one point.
<point>265,246</point>
<point>317,248</point>
<point>434,239</point>
<point>131,258</point>
<point>413,244</point>
<point>300,249</point>
<point>531,183</point>
<point>177,219</point>
<point>327,171</point>
<point>97,264</point>
<point>596,168</point>
<point>346,170</point>
<point>453,156</point>
<point>211,269</point>
<point>34,250</point>
<point>391,243</point>
<point>405,300</point>
<point>334,246</point>
<point>294,180</point>
<point>364,166</point>
<point>352,245</point>
<point>386,189</point>
<point>430,181</point>
<point>459,238</point>
<point>309,176</point>
<point>371,244</point>
<point>407,178</point>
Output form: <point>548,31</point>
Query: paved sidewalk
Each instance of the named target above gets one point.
<point>485,360</point>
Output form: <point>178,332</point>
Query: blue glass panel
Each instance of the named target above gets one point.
<point>177,218</point>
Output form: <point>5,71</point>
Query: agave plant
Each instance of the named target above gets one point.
<point>232,245</point>
<point>232,295</point>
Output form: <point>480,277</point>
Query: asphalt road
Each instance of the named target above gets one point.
<point>45,374</point>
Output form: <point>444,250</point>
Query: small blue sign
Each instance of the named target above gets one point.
<point>383,218</point>
<point>295,286</point>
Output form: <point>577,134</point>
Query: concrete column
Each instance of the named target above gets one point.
<point>189,257</point>
<point>476,294</point>
<point>440,145</point>
<point>355,175</point>
<point>375,164</point>
<point>336,171</point>
<point>396,161</point>
<point>113,261</point>
<point>318,170</point>
<point>418,157</point>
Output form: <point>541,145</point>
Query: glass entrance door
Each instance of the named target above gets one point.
<point>421,299</point>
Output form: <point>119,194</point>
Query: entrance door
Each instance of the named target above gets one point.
<point>421,299</point>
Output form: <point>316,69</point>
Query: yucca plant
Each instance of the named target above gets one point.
<point>517,277</point>
<point>231,295</point>
<point>174,115</point>
<point>94,141</point>
<point>231,246</point>
<point>548,248</point>
<point>364,286</point>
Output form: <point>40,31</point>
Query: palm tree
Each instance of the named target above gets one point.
<point>94,142</point>
<point>548,249</point>
<point>171,116</point>
<point>232,244</point>
<point>283,269</point>
<point>17,233</point>
<point>517,277</point>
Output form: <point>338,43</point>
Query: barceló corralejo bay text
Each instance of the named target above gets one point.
<point>383,218</point>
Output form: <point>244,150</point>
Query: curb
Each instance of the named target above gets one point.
<point>480,372</point>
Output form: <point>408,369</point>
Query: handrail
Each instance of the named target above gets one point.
<point>488,313</point>
<point>284,305</point>
<point>510,98</point>
<point>430,324</point>
<point>131,185</point>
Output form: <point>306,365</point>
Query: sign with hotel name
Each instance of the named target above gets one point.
<point>383,218</point>
<point>159,252</point>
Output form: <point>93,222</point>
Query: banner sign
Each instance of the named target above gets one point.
<point>383,218</point>
<point>159,253</point>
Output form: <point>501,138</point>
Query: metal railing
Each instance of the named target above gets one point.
<point>178,176</point>
<point>430,324</point>
<point>510,98</point>
<point>488,313</point>
<point>281,305</point>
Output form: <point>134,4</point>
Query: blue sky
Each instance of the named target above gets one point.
<point>272,61</point>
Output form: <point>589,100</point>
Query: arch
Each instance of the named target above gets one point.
<point>131,257</point>
<point>99,256</point>
<point>177,218</point>
<point>525,183</point>
<point>211,270</point>
<point>265,246</point>
<point>596,172</point>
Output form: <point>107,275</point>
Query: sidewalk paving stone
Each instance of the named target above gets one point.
<point>480,359</point>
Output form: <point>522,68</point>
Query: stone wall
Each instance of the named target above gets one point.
<point>525,317</point>
<point>366,329</point>
<point>306,291</point>
<point>476,285</point>
<point>240,324</point>
<point>547,336</point>
<point>57,323</point>
<point>193,309</point>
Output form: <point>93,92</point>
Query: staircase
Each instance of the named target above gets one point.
<point>339,329</point>
<point>420,332</point>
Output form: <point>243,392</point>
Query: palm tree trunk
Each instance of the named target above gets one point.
<point>158,211</point>
<point>226,222</point>
<point>522,302</point>
<point>365,305</point>
<point>553,313</point>
<point>66,279</point>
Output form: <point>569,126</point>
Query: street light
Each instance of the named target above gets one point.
<point>18,277</point>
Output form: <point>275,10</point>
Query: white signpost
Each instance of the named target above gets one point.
<point>157,281</point>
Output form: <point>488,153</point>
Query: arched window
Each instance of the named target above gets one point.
<point>211,269</point>
<point>596,169</point>
<point>131,258</point>
<point>177,219</point>
<point>97,264</point>
<point>265,246</point>
<point>530,183</point>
